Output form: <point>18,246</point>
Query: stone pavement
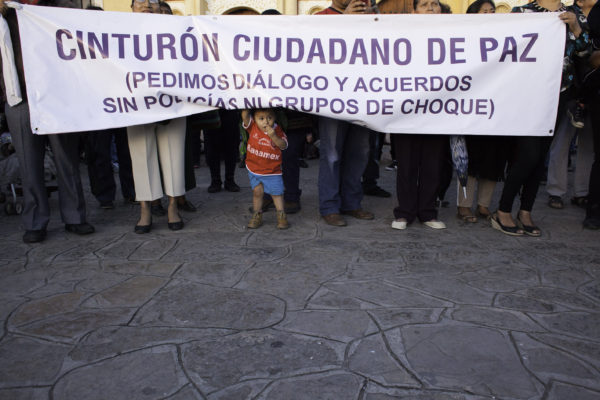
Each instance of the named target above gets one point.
<point>216,311</point>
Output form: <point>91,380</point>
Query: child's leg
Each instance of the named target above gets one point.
<point>257,197</point>
<point>278,201</point>
<point>282,222</point>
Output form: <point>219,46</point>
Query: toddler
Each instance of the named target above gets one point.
<point>263,160</point>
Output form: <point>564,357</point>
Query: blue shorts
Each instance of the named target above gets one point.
<point>272,184</point>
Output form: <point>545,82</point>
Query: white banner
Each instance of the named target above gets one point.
<point>444,74</point>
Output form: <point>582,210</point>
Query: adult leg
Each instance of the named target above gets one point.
<point>30,150</point>
<point>463,201</point>
<point>518,171</point>
<point>229,147</point>
<point>290,165</point>
<point>485,192</point>
<point>144,162</point>
<point>332,135</point>
<point>584,160</point>
<point>592,215</point>
<point>188,160</point>
<point>70,192</point>
<point>538,151</point>
<point>558,158</point>
<point>446,171</point>
<point>125,170</point>
<point>212,153</point>
<point>371,172</point>
<point>354,160</point>
<point>407,149</point>
<point>171,150</point>
<point>170,140</point>
<point>100,171</point>
<point>433,148</point>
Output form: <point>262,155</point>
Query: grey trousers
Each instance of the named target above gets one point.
<point>30,150</point>
<point>558,159</point>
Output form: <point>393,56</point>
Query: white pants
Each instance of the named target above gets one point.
<point>150,144</point>
<point>559,158</point>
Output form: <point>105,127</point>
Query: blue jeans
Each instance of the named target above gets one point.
<point>344,153</point>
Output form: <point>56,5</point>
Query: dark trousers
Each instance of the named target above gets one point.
<point>525,172</point>
<point>100,171</point>
<point>447,169</point>
<point>593,207</point>
<point>188,159</point>
<point>371,174</point>
<point>30,150</point>
<point>418,176</point>
<point>222,144</point>
<point>526,166</point>
<point>290,164</point>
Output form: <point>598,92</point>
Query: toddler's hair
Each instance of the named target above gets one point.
<point>255,110</point>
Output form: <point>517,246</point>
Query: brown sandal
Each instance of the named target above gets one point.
<point>466,215</point>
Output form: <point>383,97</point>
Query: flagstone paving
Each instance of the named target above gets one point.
<point>216,311</point>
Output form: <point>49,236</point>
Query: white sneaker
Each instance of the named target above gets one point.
<point>399,224</point>
<point>435,224</point>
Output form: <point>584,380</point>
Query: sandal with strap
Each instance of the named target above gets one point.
<point>530,230</point>
<point>556,202</point>
<point>508,230</point>
<point>580,201</point>
<point>465,215</point>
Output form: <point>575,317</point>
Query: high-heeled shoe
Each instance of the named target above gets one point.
<point>530,230</point>
<point>175,226</point>
<point>508,230</point>
<point>143,228</point>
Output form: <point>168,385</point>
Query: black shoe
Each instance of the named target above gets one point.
<point>80,229</point>
<point>376,191</point>
<point>214,187</point>
<point>231,186</point>
<point>107,205</point>
<point>158,210</point>
<point>34,236</point>
<point>175,226</point>
<point>130,200</point>
<point>302,163</point>
<point>588,223</point>
<point>186,206</point>
<point>291,207</point>
<point>143,228</point>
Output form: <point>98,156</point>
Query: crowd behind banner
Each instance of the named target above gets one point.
<point>157,159</point>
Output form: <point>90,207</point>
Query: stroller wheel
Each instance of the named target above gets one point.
<point>9,209</point>
<point>19,208</point>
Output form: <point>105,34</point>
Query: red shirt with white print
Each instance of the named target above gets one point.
<point>263,157</point>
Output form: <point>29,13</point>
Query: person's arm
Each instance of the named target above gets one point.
<point>570,19</point>
<point>246,119</point>
<point>279,142</point>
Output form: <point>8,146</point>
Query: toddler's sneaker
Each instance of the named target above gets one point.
<point>282,222</point>
<point>256,220</point>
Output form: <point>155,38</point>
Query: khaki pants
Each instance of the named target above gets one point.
<point>484,195</point>
<point>150,144</point>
